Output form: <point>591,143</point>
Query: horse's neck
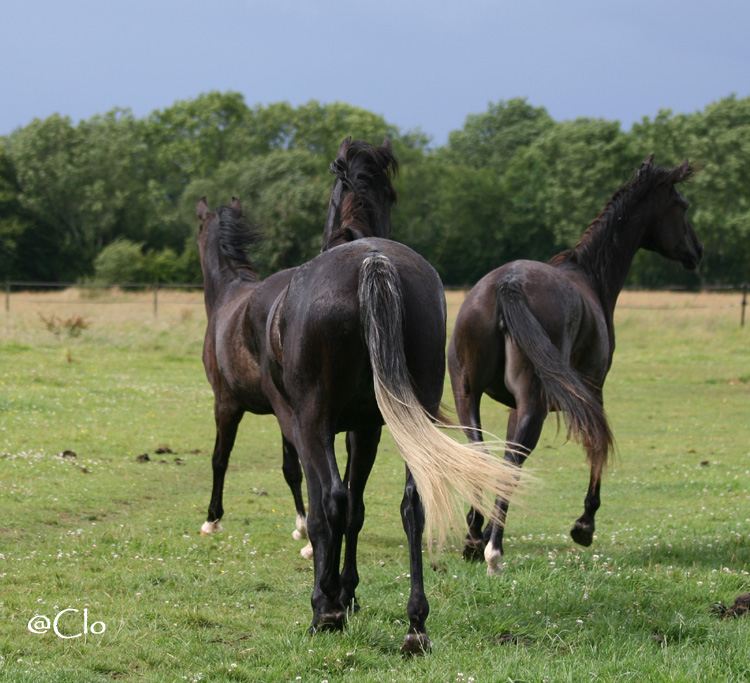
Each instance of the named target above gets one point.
<point>221,281</point>
<point>608,256</point>
<point>333,223</point>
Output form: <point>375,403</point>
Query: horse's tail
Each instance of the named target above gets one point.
<point>564,390</point>
<point>447,473</point>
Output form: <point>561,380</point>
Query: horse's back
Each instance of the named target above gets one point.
<point>321,331</point>
<point>334,275</point>
<point>234,341</point>
<point>558,299</point>
<point>561,302</point>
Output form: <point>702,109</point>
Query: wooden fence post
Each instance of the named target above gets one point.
<point>744,304</point>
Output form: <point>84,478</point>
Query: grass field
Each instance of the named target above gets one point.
<point>102,532</point>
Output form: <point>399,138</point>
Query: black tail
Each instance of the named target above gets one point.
<point>564,390</point>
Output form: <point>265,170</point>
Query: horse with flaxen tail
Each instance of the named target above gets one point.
<point>358,340</point>
<point>540,337</point>
<point>237,304</point>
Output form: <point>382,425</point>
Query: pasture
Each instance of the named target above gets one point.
<point>119,538</point>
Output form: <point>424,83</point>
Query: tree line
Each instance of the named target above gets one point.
<point>112,198</point>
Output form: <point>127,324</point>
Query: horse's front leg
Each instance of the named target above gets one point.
<point>228,419</point>
<point>362,447</point>
<point>416,641</point>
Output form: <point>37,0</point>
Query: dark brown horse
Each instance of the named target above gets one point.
<point>237,304</point>
<point>540,337</point>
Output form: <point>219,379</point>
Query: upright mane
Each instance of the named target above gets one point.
<point>366,173</point>
<point>236,235</point>
<point>617,209</point>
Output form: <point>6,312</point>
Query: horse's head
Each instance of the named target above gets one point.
<point>362,194</point>
<point>223,240</point>
<point>670,232</point>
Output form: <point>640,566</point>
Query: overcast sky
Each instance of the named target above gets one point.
<point>419,63</point>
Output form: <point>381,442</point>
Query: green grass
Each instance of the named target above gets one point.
<point>119,538</point>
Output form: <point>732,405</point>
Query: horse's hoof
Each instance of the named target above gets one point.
<point>583,534</point>
<point>330,621</point>
<point>494,560</point>
<point>307,551</point>
<point>300,531</point>
<point>210,528</point>
<point>416,644</point>
<point>473,550</point>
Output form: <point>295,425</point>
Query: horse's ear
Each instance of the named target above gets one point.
<point>684,171</point>
<point>338,165</point>
<point>201,209</point>
<point>387,144</point>
<point>649,160</point>
<point>344,147</point>
<point>236,206</point>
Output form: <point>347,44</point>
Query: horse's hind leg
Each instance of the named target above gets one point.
<point>416,641</point>
<point>293,476</point>
<point>467,407</point>
<point>326,519</point>
<point>583,529</point>
<point>362,447</point>
<point>227,421</point>
<point>524,428</point>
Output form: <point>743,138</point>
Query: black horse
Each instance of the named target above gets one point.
<point>356,340</point>
<point>540,337</point>
<point>353,339</point>
<point>237,304</point>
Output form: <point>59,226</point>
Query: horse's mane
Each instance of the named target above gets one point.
<point>236,235</point>
<point>647,178</point>
<point>366,173</point>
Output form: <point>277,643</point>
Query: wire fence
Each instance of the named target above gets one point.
<point>159,290</point>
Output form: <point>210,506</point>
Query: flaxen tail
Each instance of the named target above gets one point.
<point>447,473</point>
<point>563,388</point>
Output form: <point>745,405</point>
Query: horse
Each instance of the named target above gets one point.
<point>237,304</point>
<point>539,337</point>
<point>355,341</point>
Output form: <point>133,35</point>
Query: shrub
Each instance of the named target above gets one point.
<point>119,262</point>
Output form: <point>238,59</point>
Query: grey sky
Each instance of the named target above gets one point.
<point>419,63</point>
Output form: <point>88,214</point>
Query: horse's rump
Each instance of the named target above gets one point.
<point>319,331</point>
<point>541,336</point>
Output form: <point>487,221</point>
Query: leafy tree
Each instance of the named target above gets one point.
<point>13,223</point>
<point>560,182</point>
<point>452,215</point>
<point>78,185</point>
<point>490,139</point>
<point>192,138</point>
<point>284,192</point>
<point>512,183</point>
